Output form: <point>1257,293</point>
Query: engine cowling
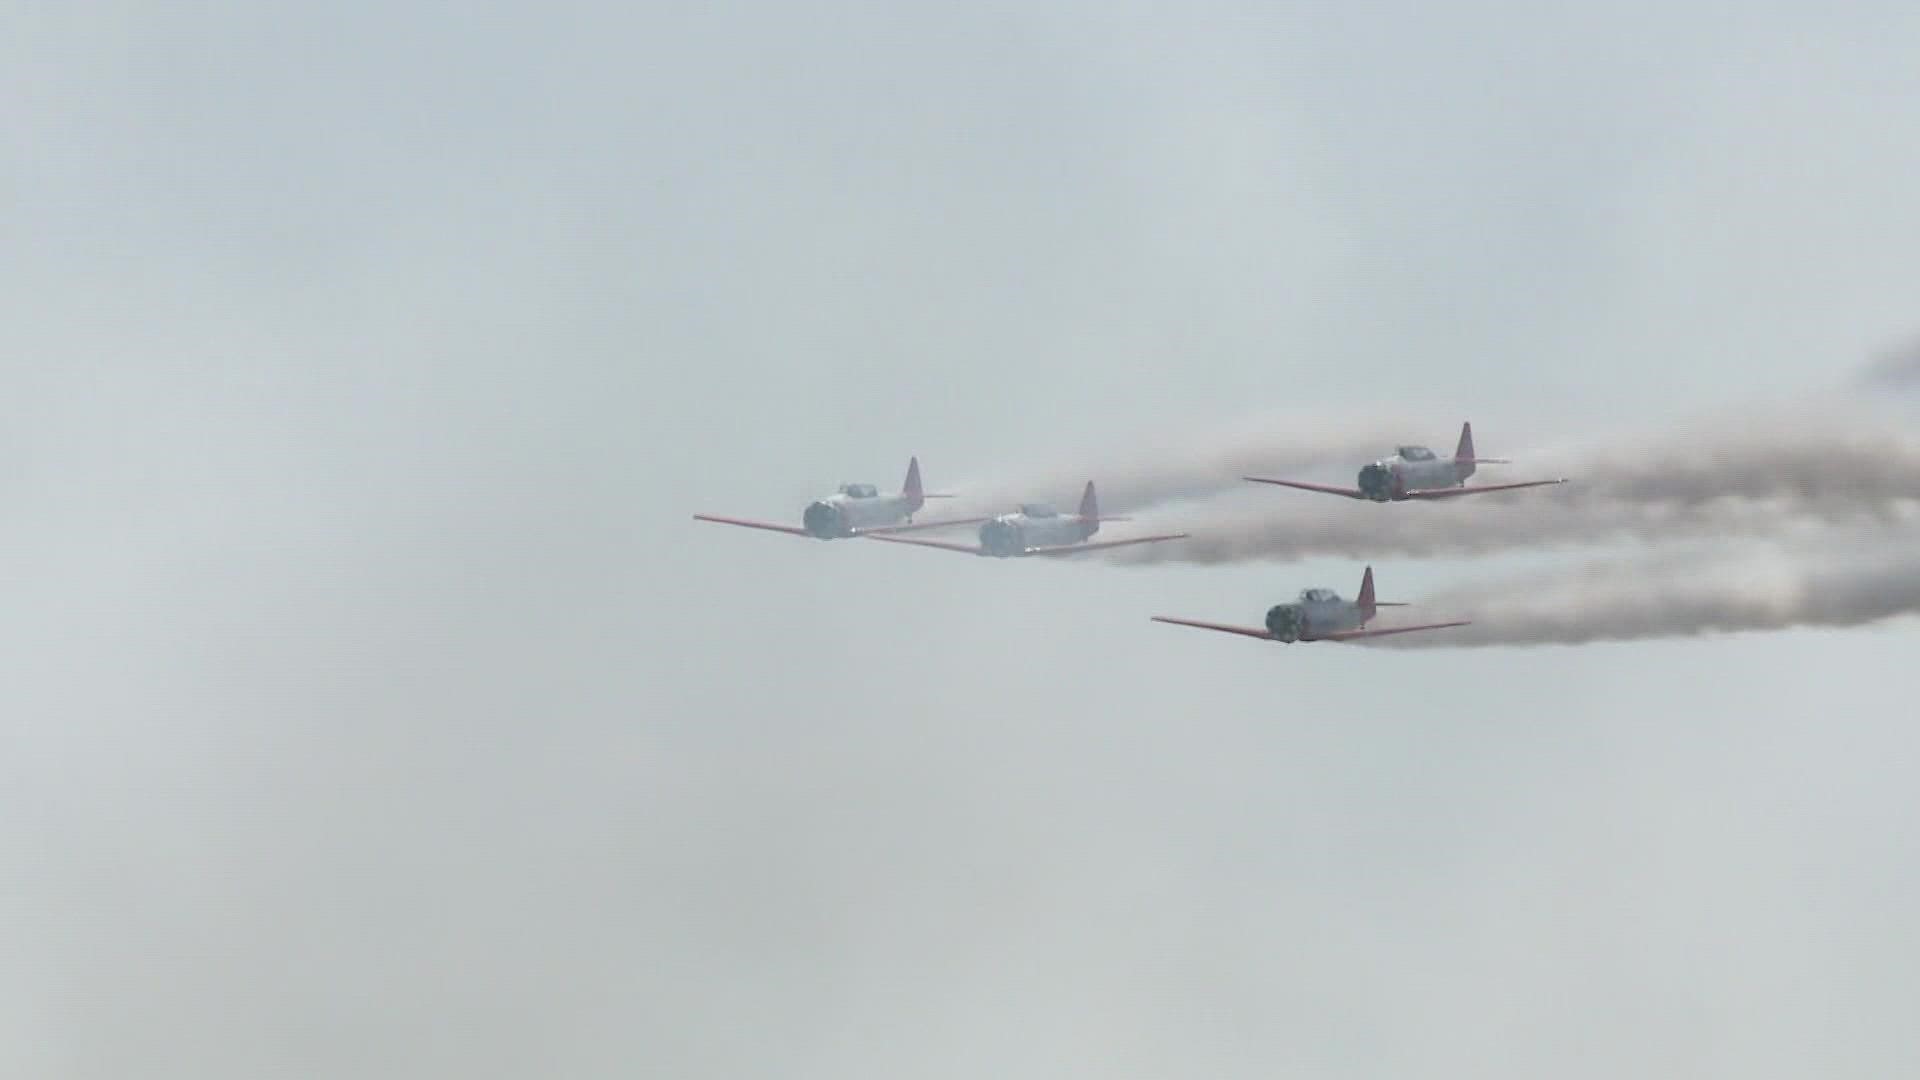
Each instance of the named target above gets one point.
<point>825,520</point>
<point>1286,622</point>
<point>1376,482</point>
<point>1001,538</point>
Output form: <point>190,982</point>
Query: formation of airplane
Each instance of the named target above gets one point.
<point>1039,529</point>
<point>1416,472</point>
<point>1318,615</point>
<point>857,510</point>
<point>1411,473</point>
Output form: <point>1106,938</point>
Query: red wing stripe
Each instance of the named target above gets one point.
<point>1355,635</point>
<point>919,525</point>
<point>965,549</point>
<point>1075,549</point>
<point>1448,493</point>
<point>1351,493</point>
<point>790,530</point>
<point>1225,628</point>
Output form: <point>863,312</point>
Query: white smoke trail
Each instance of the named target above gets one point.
<point>1849,579</point>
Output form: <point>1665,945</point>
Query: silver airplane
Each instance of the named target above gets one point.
<point>1319,615</point>
<point>1415,472</point>
<point>857,510</point>
<point>1039,529</point>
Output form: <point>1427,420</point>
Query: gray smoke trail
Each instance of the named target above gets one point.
<point>1155,470</point>
<point>1831,467</point>
<point>1492,523</point>
<point>1896,370</point>
<point>1828,458</point>
<point>1716,482</point>
<point>1847,581</point>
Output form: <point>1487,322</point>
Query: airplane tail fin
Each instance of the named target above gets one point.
<point>1090,508</point>
<point>1466,459</point>
<point>1365,601</point>
<point>911,486</point>
<point>911,489</point>
<point>1463,454</point>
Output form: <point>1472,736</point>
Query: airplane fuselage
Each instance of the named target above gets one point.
<point>841,515</point>
<point>1317,613</point>
<point>1413,469</point>
<point>1012,534</point>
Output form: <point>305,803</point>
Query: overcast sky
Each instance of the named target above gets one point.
<point>369,705</point>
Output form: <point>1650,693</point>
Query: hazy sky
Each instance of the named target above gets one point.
<point>372,707</point>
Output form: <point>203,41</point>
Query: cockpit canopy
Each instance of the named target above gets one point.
<point>859,491</point>
<point>1414,453</point>
<point>1319,596</point>
<point>1038,510</point>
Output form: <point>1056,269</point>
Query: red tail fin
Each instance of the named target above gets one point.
<point>1463,455</point>
<point>1365,600</point>
<point>911,486</point>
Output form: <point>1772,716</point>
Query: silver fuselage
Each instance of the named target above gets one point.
<point>1414,468</point>
<point>1317,613</point>
<point>855,507</point>
<point>1012,534</point>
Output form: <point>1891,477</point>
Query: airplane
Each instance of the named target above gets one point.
<point>1038,529</point>
<point>1415,472</point>
<point>857,510</point>
<point>1319,615</point>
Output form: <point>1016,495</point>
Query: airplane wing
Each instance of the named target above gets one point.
<point>1075,549</point>
<point>919,525</point>
<point>943,545</point>
<point>1329,489</point>
<point>1243,631</point>
<point>1355,635</point>
<point>1448,493</point>
<point>792,530</point>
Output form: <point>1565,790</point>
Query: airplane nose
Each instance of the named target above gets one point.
<point>822,520</point>
<point>1376,482</point>
<point>1283,622</point>
<point>999,538</point>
